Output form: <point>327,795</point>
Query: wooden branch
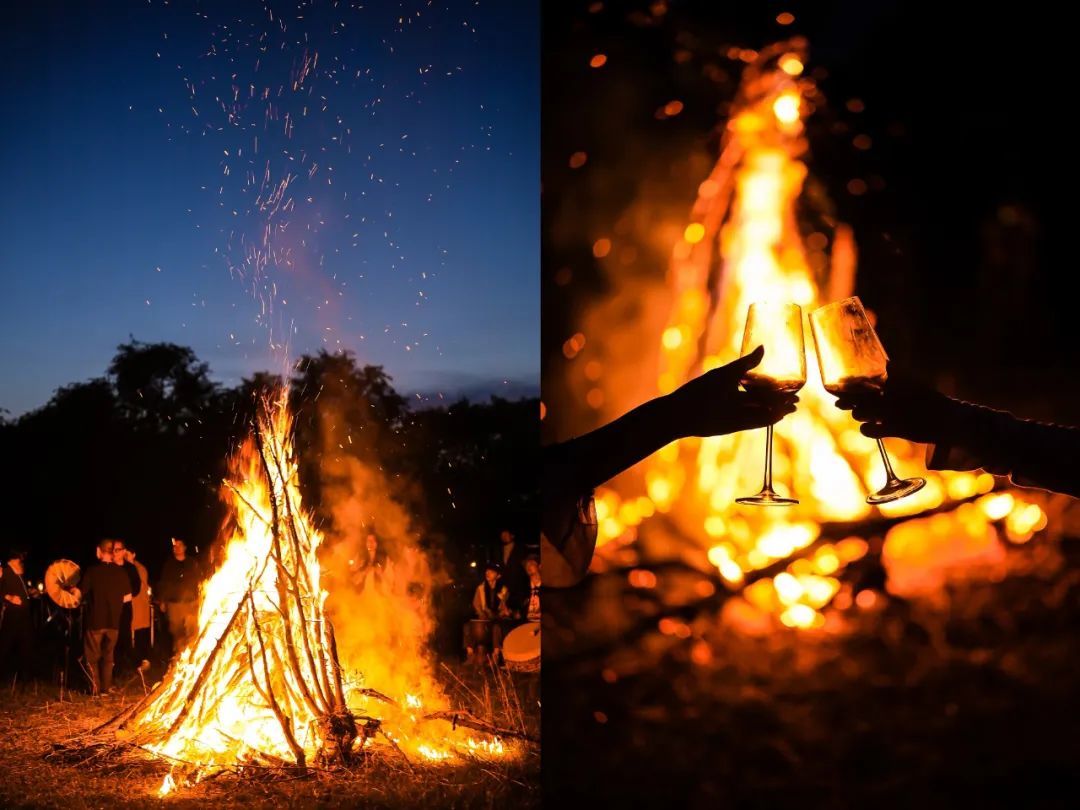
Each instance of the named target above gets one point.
<point>286,726</point>
<point>247,503</point>
<point>469,720</point>
<point>292,662</point>
<point>118,719</point>
<point>397,748</point>
<point>322,680</point>
<point>282,589</point>
<point>185,709</point>
<point>375,693</point>
<point>339,693</point>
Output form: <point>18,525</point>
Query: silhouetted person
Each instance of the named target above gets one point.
<point>372,564</point>
<point>530,608</point>
<point>16,631</point>
<point>125,642</point>
<point>177,593</point>
<point>141,615</point>
<point>491,603</point>
<point>105,587</point>
<point>965,436</point>
<point>511,558</point>
<point>709,405</point>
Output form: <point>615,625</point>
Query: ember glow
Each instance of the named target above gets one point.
<point>263,683</point>
<point>743,243</point>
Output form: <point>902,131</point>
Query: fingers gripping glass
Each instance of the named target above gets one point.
<point>852,359</point>
<point>777,327</point>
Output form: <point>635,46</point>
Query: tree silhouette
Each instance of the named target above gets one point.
<point>140,454</point>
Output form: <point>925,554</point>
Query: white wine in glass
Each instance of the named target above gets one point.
<point>777,327</point>
<point>853,361</point>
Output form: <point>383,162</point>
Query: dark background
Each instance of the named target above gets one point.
<point>966,237</point>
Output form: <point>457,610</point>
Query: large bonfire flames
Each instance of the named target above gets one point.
<point>262,683</point>
<point>745,242</point>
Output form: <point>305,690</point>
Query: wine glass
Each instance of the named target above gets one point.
<point>777,327</point>
<point>852,359</point>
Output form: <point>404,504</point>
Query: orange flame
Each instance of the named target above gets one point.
<point>261,679</point>
<point>743,244</point>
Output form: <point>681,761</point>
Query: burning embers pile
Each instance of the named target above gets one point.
<point>753,235</point>
<point>262,684</point>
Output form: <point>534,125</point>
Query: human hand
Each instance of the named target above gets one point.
<point>713,404</point>
<point>903,408</point>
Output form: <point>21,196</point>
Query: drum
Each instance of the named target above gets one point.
<point>60,580</point>
<point>521,648</point>
<point>478,633</point>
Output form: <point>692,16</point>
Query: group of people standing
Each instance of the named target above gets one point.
<point>117,606</point>
<point>508,595</point>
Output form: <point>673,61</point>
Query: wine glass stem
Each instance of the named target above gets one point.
<point>767,485</point>
<point>885,460</point>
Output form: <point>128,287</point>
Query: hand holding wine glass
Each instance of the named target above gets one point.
<point>854,368</point>
<point>713,405</point>
<point>903,408</point>
<point>782,372</point>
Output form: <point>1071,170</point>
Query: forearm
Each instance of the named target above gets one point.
<point>589,460</point>
<point>1034,454</point>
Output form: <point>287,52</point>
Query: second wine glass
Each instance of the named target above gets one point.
<point>777,327</point>
<point>852,360</point>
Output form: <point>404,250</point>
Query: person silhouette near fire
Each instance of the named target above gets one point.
<point>105,590</point>
<point>177,593</point>
<point>491,606</point>
<point>709,405</point>
<point>372,566</point>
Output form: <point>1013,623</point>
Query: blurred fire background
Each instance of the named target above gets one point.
<point>946,145</point>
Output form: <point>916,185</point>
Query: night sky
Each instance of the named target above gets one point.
<point>250,178</point>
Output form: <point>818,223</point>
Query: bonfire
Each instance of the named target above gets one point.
<point>754,233</point>
<point>262,685</point>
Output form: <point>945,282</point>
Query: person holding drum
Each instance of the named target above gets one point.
<point>15,629</point>
<point>492,609</point>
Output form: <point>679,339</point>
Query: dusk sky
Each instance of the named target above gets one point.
<point>239,176</point>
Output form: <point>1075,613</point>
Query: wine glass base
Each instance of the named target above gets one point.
<point>895,490</point>
<point>766,499</point>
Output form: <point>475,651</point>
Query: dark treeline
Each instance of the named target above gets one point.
<point>140,452</point>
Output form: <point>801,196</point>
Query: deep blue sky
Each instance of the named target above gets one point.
<point>130,141</point>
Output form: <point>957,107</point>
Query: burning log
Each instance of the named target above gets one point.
<point>468,720</point>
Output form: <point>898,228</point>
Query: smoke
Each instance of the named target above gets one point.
<point>380,604</point>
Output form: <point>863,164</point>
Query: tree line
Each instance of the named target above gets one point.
<point>140,452</point>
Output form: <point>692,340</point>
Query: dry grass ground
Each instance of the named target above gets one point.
<point>971,705</point>
<point>32,721</point>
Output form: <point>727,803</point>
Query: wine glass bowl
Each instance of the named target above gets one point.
<point>851,360</point>
<point>782,370</point>
<point>777,327</point>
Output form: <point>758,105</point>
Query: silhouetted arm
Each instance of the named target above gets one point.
<point>965,436</point>
<point>709,405</point>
